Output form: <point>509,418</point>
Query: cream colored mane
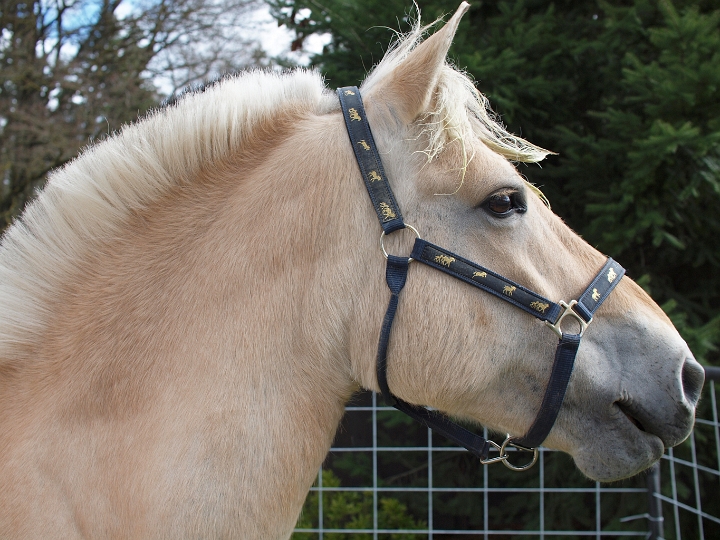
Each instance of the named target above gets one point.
<point>90,198</point>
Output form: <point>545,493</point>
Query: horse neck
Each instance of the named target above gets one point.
<point>202,320</point>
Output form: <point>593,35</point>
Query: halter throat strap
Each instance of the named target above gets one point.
<point>553,314</point>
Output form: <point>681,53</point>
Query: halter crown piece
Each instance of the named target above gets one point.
<point>552,313</point>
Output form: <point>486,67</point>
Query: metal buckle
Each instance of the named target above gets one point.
<point>504,457</point>
<point>382,240</point>
<point>568,310</point>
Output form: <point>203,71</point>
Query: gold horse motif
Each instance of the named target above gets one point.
<point>387,212</point>
<point>539,306</point>
<point>479,274</point>
<point>611,275</point>
<point>444,260</point>
<point>364,144</point>
<point>354,115</point>
<point>595,295</point>
<point>509,290</point>
<point>349,93</point>
<point>374,176</point>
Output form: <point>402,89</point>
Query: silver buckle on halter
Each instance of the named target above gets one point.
<point>504,456</point>
<point>568,310</point>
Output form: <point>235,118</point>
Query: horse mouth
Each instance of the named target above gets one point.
<point>626,409</point>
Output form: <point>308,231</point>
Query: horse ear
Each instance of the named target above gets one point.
<point>407,90</point>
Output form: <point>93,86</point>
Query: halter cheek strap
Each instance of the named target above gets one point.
<point>553,314</point>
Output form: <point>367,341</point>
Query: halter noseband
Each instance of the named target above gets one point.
<point>551,313</point>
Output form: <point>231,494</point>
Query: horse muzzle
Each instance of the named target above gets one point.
<point>669,418</point>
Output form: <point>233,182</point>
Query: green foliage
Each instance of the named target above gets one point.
<point>353,510</point>
<point>625,92</point>
<point>662,131</point>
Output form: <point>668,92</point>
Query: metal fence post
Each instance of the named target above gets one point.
<point>654,517</point>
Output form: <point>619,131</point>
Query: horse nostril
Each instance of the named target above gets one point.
<point>693,376</point>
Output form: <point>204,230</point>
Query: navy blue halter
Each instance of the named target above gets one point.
<point>581,310</point>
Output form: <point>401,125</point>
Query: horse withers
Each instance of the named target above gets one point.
<point>187,306</point>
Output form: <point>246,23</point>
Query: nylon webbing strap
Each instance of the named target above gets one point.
<point>590,300</point>
<point>390,219</point>
<point>485,279</point>
<point>475,444</point>
<point>368,159</point>
<point>542,308</point>
<point>395,275</point>
<point>529,301</point>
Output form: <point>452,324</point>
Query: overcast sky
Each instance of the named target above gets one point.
<point>276,40</point>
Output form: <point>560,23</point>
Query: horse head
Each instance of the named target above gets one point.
<point>635,384</point>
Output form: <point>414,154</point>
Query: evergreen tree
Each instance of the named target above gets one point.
<point>624,91</point>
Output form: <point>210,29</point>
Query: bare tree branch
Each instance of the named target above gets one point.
<point>73,70</point>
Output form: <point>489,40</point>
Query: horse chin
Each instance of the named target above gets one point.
<point>620,450</point>
<point>614,464</point>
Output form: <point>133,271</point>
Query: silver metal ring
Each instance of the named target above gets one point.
<point>382,240</point>
<point>509,465</point>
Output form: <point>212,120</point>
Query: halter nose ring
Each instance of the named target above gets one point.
<point>382,241</point>
<point>568,311</point>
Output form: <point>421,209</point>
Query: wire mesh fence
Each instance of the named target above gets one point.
<point>387,477</point>
<point>690,474</point>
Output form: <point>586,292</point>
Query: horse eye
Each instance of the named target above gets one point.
<point>500,204</point>
<point>504,203</point>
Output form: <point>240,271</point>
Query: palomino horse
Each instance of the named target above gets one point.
<point>188,305</point>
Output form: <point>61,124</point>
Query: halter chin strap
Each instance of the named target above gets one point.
<point>553,314</point>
